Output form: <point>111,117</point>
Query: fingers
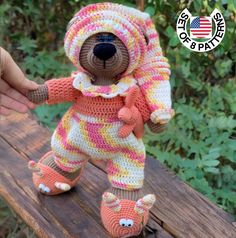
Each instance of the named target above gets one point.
<point>4,111</point>
<point>13,85</point>
<point>12,74</point>
<point>2,61</point>
<point>15,95</point>
<point>29,85</point>
<point>9,103</point>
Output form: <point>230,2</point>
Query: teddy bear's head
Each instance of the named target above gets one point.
<point>104,54</point>
<point>105,39</point>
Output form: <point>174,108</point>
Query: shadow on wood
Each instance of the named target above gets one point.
<point>179,211</point>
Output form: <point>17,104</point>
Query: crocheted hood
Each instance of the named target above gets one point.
<point>147,65</point>
<point>106,17</point>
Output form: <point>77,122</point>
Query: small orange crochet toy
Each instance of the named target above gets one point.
<point>121,83</point>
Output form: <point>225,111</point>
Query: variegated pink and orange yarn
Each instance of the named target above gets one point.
<point>106,122</point>
<point>90,130</point>
<point>146,62</point>
<point>84,132</point>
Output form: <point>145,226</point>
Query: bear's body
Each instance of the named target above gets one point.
<point>90,130</point>
<point>121,83</point>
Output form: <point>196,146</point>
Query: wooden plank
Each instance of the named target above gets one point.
<point>68,215</point>
<point>24,133</point>
<point>74,214</point>
<point>181,210</point>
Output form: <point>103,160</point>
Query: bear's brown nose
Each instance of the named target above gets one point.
<point>104,51</point>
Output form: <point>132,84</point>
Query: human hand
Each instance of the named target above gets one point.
<point>13,86</point>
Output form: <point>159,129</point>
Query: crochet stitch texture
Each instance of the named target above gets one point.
<point>147,63</point>
<point>94,116</point>
<point>106,122</point>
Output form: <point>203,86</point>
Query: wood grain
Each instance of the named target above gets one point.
<point>179,211</point>
<point>73,214</point>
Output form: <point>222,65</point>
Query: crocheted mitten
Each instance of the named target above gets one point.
<point>38,96</point>
<point>49,179</point>
<point>125,213</point>
<point>156,128</point>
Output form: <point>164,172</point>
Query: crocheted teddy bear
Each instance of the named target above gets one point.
<point>121,83</point>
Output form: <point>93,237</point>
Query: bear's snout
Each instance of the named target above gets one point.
<point>104,51</point>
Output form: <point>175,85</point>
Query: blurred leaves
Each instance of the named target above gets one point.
<point>49,115</point>
<point>27,45</point>
<point>200,142</point>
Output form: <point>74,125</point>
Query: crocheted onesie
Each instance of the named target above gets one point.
<point>90,128</point>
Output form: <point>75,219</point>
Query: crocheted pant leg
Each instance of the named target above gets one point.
<point>126,169</point>
<point>68,155</point>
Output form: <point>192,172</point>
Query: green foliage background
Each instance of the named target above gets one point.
<point>200,142</point>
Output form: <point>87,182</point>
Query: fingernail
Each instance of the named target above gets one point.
<point>32,105</point>
<point>34,84</point>
<point>31,85</point>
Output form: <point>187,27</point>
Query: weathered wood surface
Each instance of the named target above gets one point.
<point>179,211</point>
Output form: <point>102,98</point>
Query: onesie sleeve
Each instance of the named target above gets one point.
<point>153,78</point>
<point>61,90</point>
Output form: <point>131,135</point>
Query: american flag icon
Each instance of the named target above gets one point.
<point>200,27</point>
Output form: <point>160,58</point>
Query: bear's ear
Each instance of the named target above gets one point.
<point>144,204</point>
<point>111,201</point>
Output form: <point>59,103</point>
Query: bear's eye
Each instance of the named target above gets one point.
<point>129,222</point>
<point>122,222</point>
<point>105,38</point>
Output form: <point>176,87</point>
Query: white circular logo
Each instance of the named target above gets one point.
<point>201,38</point>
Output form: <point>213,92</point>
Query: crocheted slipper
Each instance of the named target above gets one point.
<point>49,181</point>
<point>125,218</point>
